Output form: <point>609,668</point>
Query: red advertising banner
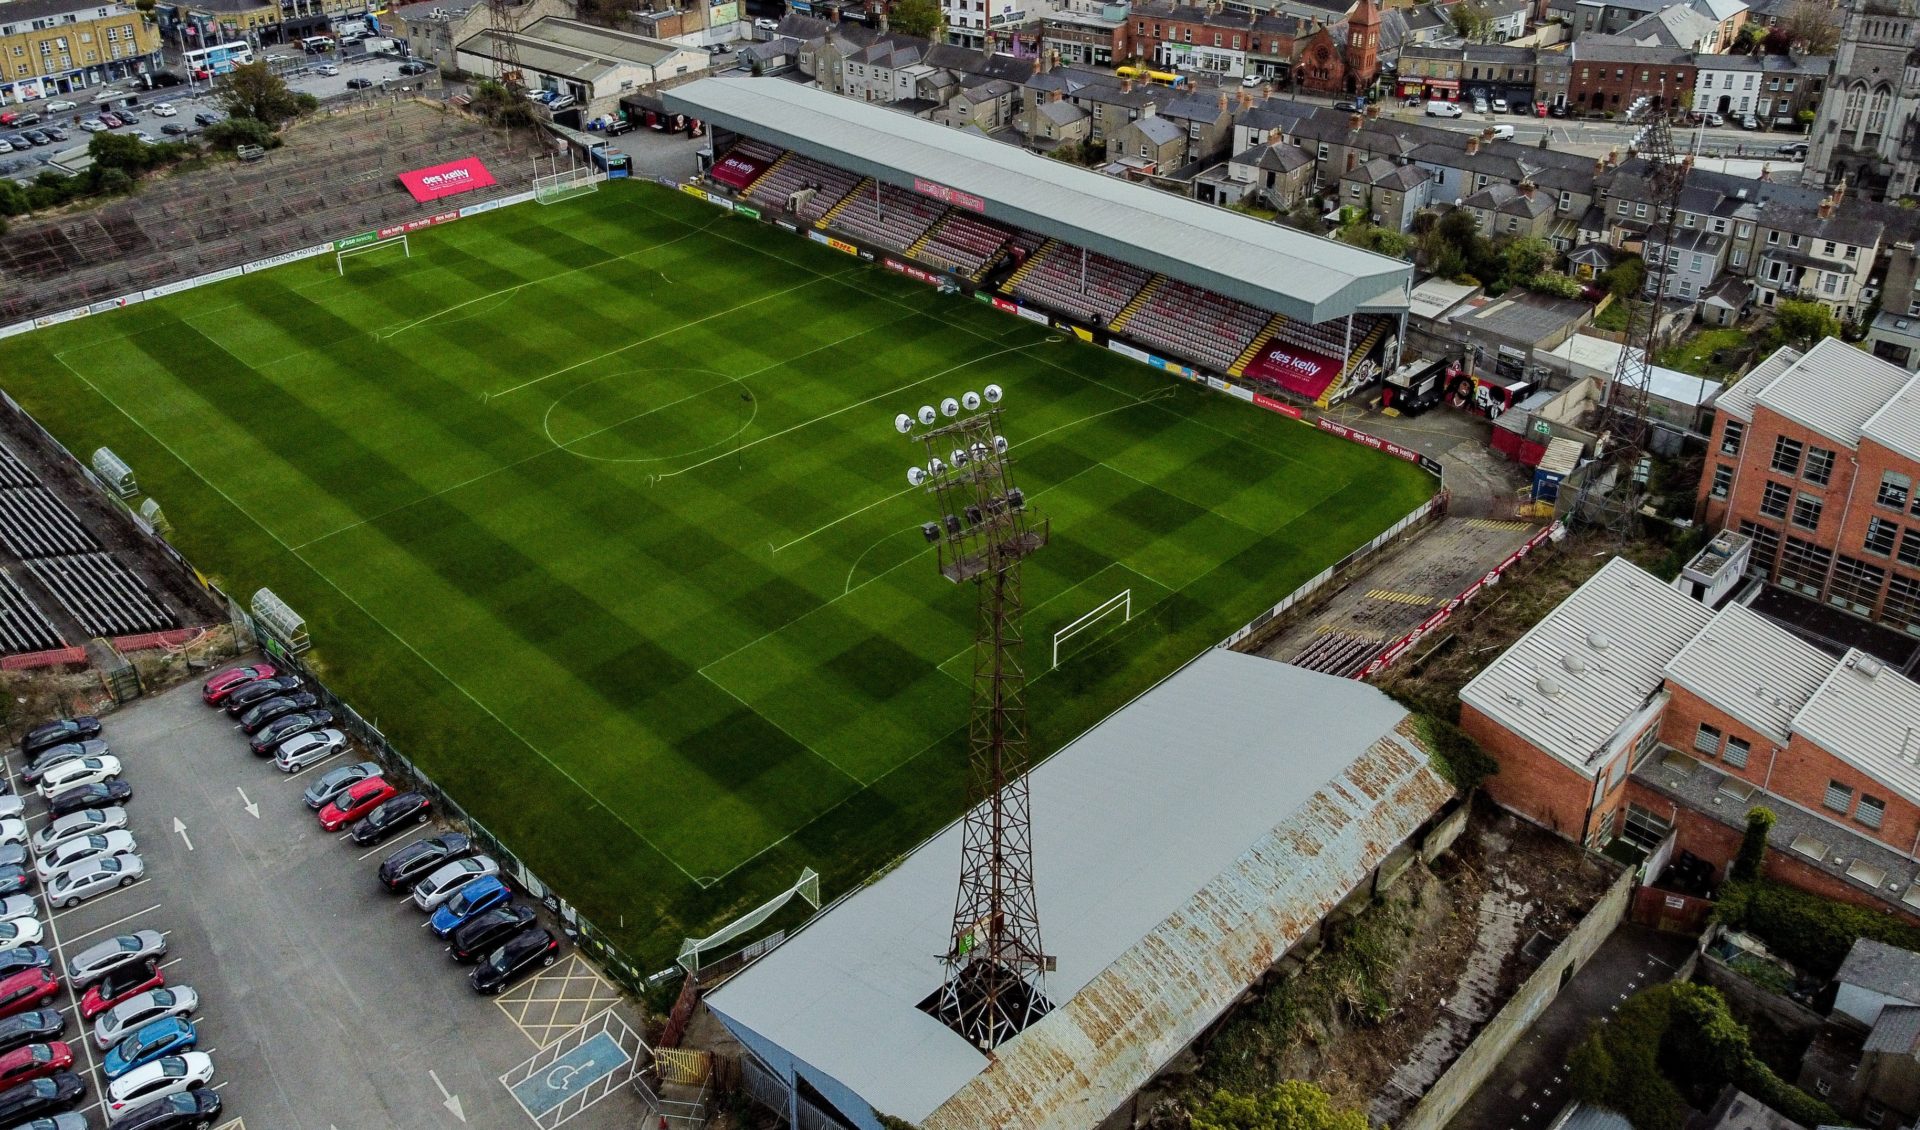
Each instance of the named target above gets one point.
<point>947,195</point>
<point>912,271</point>
<point>449,179</point>
<point>1272,405</point>
<point>737,170</point>
<point>416,225</point>
<point>1297,370</point>
<point>1375,442</point>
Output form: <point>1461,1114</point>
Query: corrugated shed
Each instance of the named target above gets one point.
<point>1088,1056</point>
<point>1834,390</point>
<point>1753,669</point>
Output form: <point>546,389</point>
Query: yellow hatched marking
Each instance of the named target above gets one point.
<point>1418,600</point>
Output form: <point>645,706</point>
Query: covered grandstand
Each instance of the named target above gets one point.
<point>1119,263</point>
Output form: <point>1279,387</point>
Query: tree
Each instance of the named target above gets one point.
<point>1752,860</point>
<point>501,105</point>
<point>1802,323</point>
<point>915,17</point>
<point>1810,28</point>
<point>1626,279</point>
<point>1292,1105</point>
<point>1471,20</point>
<point>1748,39</point>
<point>253,91</point>
<point>1527,257</point>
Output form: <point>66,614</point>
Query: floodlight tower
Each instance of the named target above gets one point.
<point>503,19</point>
<point>1633,374</point>
<point>983,529</point>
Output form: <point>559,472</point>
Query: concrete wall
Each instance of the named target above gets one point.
<point>1790,1015</point>
<point>1452,1090</point>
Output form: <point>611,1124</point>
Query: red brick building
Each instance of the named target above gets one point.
<point>1632,711</point>
<point>1817,459</point>
<point>1612,74</point>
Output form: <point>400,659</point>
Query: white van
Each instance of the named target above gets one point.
<point>1439,109</point>
<point>1503,133</point>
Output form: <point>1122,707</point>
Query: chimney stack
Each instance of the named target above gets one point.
<point>1599,165</point>
<point>1373,110</point>
<point>1486,135</point>
<point>1126,85</point>
<point>1246,101</point>
<point>1766,172</point>
<point>1526,189</point>
<point>1356,121</point>
<point>1826,207</point>
<point>1839,190</point>
<point>1223,101</point>
<point>1473,144</point>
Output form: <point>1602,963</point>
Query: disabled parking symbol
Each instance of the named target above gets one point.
<point>571,1073</point>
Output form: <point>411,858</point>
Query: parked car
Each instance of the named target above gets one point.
<point>60,106</point>
<point>46,759</point>
<point>11,807</point>
<point>38,138</point>
<point>171,1036</point>
<point>127,117</point>
<point>327,69</point>
<point>122,984</point>
<point>267,742</point>
<point>389,817</point>
<point>33,1026</point>
<point>66,1120</point>
<point>59,732</point>
<point>22,932</point>
<point>15,879</point>
<point>484,932</point>
<point>173,129</point>
<point>1499,105</point>
<point>168,1075</point>
<point>359,83</point>
<point>141,1009</point>
<point>197,1109</point>
<point>311,748</point>
<point>26,989</point>
<point>84,849</point>
<point>111,120</point>
<point>476,896</point>
<point>13,830</point>
<point>21,958</point>
<point>1794,149</point>
<point>440,886</point>
<point>163,110</point>
<point>414,67</point>
<point>399,871</point>
<point>33,1062</point>
<point>142,135</point>
<point>79,772</point>
<point>18,906</point>
<point>260,690</point>
<point>105,794</point>
<point>532,948</point>
<point>356,802</point>
<point>92,125</point>
<point>764,24</point>
<point>280,707</point>
<point>1748,121</point>
<point>55,132</point>
<point>86,822</point>
<point>97,960</point>
<point>40,1096</point>
<point>82,881</point>
<point>204,118</point>
<point>334,782</point>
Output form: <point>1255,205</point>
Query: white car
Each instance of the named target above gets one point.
<point>136,1012</point>
<point>12,807</point>
<point>327,69</point>
<point>86,822</point>
<point>85,880</point>
<point>81,771</point>
<point>440,886</point>
<point>310,748</point>
<point>765,24</point>
<point>168,1075</point>
<point>13,830</point>
<point>93,125</point>
<point>21,932</point>
<point>17,906</point>
<point>76,851</point>
<point>61,106</point>
<point>164,110</point>
<point>143,135</point>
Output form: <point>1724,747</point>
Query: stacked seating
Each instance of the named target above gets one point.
<point>795,173</point>
<point>1327,338</point>
<point>103,595</point>
<point>22,626</point>
<point>1053,279</point>
<point>962,244</point>
<point>33,523</point>
<point>1194,323</point>
<point>895,221</point>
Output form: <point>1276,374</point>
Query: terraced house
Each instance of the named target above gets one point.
<point>51,47</point>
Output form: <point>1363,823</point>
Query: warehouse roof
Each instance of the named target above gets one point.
<point>1305,277</point>
<point>1866,714</point>
<point>1280,788</point>
<point>1834,389</point>
<point>1752,668</point>
<point>556,46</point>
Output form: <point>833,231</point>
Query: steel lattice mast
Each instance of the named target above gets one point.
<point>983,530</point>
<point>1633,374</point>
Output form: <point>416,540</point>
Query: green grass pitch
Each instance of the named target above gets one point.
<point>598,510</point>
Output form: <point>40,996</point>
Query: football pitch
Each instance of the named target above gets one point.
<point>598,511</point>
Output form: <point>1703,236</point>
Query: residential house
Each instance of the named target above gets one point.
<point>1386,193</point>
<point>879,72</point>
<point>1694,261</point>
<point>1500,72</point>
<point>1773,88</point>
<point>1505,19</point>
<point>1204,39</point>
<point>985,105</point>
<point>1160,144</point>
<point>1271,51</point>
<point>1608,17</point>
<point>1054,122</point>
<point>1505,210</point>
<point>1704,26</point>
<point>54,47</point>
<point>1276,176</point>
<point>1873,976</point>
<point>1095,38</point>
<point>1208,120</point>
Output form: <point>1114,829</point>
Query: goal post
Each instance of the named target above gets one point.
<point>1122,603</point>
<point>557,184</point>
<point>342,250</point>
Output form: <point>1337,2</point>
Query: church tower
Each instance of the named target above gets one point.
<point>1363,47</point>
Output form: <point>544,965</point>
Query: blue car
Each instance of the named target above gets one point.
<point>483,893</point>
<point>162,1037</point>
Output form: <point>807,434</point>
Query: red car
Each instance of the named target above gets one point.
<point>33,1061</point>
<point>122,984</point>
<point>355,803</point>
<point>25,990</point>
<point>229,681</point>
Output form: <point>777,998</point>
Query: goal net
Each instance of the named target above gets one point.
<point>1122,604</point>
<point>551,188</point>
<point>341,254</point>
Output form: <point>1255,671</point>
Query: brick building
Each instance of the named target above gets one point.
<point>1632,711</point>
<point>1609,75</point>
<point>1816,458</point>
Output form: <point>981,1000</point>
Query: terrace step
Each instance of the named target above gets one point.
<point>1027,267</point>
<point>1139,300</point>
<point>865,185</point>
<point>1258,343</point>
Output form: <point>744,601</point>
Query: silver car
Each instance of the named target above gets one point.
<point>310,748</point>
<point>102,958</point>
<point>120,1021</point>
<point>86,822</point>
<point>336,781</point>
<point>81,849</point>
<point>440,886</point>
<point>83,881</point>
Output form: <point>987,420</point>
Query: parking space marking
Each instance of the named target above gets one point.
<point>574,1072</point>
<point>96,900</point>
<point>396,845</point>
<point>557,1001</point>
<point>115,922</point>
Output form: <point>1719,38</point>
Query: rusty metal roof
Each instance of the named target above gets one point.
<point>1180,847</point>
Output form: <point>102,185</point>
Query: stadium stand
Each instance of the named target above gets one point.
<point>23,627</point>
<point>33,523</point>
<point>887,216</point>
<point>961,244</point>
<point>1053,277</point>
<point>1191,322</point>
<point>792,174</point>
<point>103,595</point>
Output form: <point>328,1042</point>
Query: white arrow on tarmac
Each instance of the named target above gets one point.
<point>181,827</point>
<point>449,1100</point>
<point>253,809</point>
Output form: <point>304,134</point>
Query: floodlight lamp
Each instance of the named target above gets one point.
<point>953,523</point>
<point>928,415</point>
<point>916,476</point>
<point>973,515</point>
<point>930,531</point>
<point>970,400</point>
<point>903,423</point>
<point>978,450</point>
<point>935,467</point>
<point>949,407</point>
<point>993,394</point>
<point>958,457</point>
<point>1017,498</point>
<point>999,445</point>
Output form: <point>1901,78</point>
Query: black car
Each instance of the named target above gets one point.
<point>22,958</point>
<point>484,932</point>
<point>198,1108</point>
<point>46,759</point>
<point>205,119</point>
<point>15,880</point>
<point>101,794</point>
<point>41,1096</point>
<point>164,78</point>
<point>389,816</point>
<point>38,138</point>
<point>173,129</point>
<point>530,948</point>
<point>1349,107</point>
<point>55,132</point>
<point>414,67</point>
<point>127,117</point>
<point>35,1026</point>
<point>260,690</point>
<point>359,83</point>
<point>280,729</point>
<point>58,733</point>
<point>399,871</point>
<point>279,707</point>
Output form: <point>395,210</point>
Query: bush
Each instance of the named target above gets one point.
<point>1554,284</point>
<point>1456,757</point>
<point>1809,930</point>
<point>230,133</point>
<point>1752,860</point>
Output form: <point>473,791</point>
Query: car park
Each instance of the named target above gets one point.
<point>59,732</point>
<point>86,822</point>
<point>38,764</point>
<point>105,794</point>
<point>121,985</point>
<point>34,1061</point>
<point>84,849</point>
<point>242,698</point>
<point>26,989</point>
<point>399,871</point>
<point>484,932</point>
<point>171,1036</point>
<point>267,742</point>
<point>356,802</point>
<point>311,748</point>
<point>40,1096</point>
<point>197,1109</point>
<point>22,932</point>
<point>279,707</point>
<point>389,816</point>
<point>82,881</point>
<point>32,1026</point>
<point>334,782</point>
<point>21,958</point>
<point>478,895</point>
<point>77,773</point>
<point>101,958</point>
<point>140,1010</point>
<point>168,1075</point>
<point>440,886</point>
<point>530,949</point>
